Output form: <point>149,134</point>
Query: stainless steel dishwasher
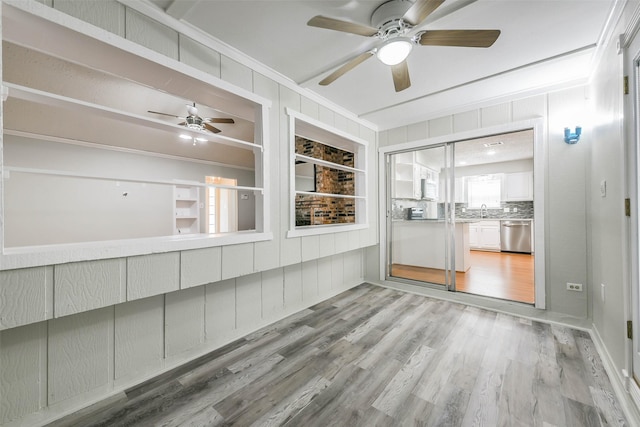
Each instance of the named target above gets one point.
<point>515,236</point>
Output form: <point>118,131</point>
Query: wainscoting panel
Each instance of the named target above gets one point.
<point>82,286</point>
<point>155,274</point>
<point>139,337</point>
<point>200,266</point>
<point>26,296</point>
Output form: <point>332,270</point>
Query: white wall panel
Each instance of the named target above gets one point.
<point>529,108</point>
<point>80,353</point>
<point>353,268</point>
<point>353,127</point>
<point>151,34</point>
<point>397,135</point>
<point>199,56</point>
<point>26,296</point>
<point>309,108</point>
<point>22,371</point>
<point>310,247</point>
<point>441,126</point>
<point>184,320</point>
<point>337,271</point>
<point>267,253</point>
<point>220,311</point>
<point>325,115</point>
<point>340,122</point>
<point>353,239</point>
<point>341,242</point>
<point>139,337</point>
<point>248,302</point>
<point>200,266</point>
<point>383,139</point>
<point>417,131</point>
<point>496,114</point>
<point>82,286</point>
<point>155,274</point>
<point>325,276</point>
<point>272,293</point>
<point>236,73</point>
<point>237,260</point>
<point>468,120</point>
<point>290,249</point>
<point>327,245</point>
<point>566,206</point>
<point>310,292</point>
<point>293,288</point>
<point>106,14</point>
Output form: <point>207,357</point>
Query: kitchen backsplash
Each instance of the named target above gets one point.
<point>524,210</point>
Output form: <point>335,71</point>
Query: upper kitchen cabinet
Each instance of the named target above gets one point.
<point>518,186</point>
<point>413,179</point>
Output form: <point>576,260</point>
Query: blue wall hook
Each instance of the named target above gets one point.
<point>572,138</point>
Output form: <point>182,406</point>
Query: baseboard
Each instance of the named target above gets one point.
<point>625,388</point>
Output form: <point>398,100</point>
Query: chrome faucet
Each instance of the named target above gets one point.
<point>483,211</point>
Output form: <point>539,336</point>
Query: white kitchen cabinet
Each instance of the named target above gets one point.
<point>484,235</point>
<point>408,175</point>
<point>518,186</point>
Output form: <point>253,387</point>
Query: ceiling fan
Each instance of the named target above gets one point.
<point>193,121</point>
<point>396,23</point>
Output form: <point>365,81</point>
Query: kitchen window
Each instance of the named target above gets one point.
<point>484,190</point>
<point>328,178</point>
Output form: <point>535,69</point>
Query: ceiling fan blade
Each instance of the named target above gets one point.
<point>400,73</point>
<point>419,11</point>
<point>462,38</point>
<point>218,120</point>
<point>211,128</point>
<point>340,25</point>
<point>164,114</point>
<point>345,68</point>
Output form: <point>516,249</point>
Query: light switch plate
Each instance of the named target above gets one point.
<point>506,209</point>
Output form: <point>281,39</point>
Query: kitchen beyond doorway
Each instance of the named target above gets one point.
<point>502,275</point>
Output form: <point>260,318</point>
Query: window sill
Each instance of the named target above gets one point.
<point>312,230</point>
<point>36,256</point>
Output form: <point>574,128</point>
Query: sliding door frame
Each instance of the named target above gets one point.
<point>540,194</point>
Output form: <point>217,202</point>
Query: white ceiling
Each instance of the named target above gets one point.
<point>543,43</point>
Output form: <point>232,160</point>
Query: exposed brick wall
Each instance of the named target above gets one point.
<point>314,210</point>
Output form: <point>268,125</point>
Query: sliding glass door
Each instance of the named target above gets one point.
<point>420,227</point>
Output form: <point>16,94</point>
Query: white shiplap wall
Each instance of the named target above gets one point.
<point>75,333</point>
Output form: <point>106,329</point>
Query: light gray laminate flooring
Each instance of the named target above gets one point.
<point>377,357</point>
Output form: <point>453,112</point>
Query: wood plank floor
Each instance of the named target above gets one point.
<point>493,274</point>
<point>378,357</point>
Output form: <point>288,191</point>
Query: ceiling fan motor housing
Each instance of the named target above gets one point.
<point>194,122</point>
<point>389,14</point>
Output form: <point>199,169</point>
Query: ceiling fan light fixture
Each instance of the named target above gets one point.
<point>184,136</point>
<point>394,51</point>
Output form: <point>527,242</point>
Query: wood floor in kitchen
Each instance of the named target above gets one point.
<point>379,357</point>
<point>493,274</point>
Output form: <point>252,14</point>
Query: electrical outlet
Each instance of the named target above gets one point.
<point>602,287</point>
<point>464,210</point>
<point>506,209</point>
<point>515,209</point>
<point>577,287</point>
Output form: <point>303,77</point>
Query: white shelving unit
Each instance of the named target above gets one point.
<point>408,173</point>
<point>187,209</point>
